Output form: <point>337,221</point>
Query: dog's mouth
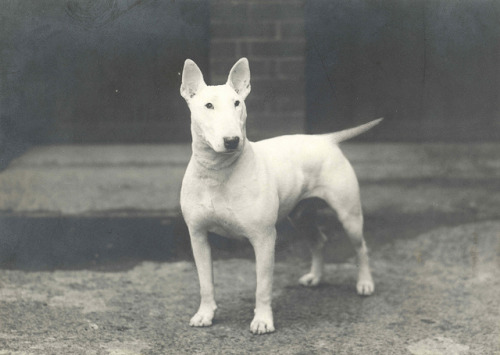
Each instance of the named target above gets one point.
<point>230,151</point>
<point>224,149</point>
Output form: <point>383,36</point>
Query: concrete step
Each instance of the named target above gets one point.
<point>145,180</point>
<point>95,180</point>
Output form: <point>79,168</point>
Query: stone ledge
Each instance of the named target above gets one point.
<point>145,180</point>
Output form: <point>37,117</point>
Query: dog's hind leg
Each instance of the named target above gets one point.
<point>353,225</point>
<point>344,199</point>
<point>303,218</point>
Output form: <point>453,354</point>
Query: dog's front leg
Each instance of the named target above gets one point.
<point>264,254</point>
<point>203,260</point>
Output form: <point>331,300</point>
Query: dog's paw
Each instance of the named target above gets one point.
<point>365,287</point>
<point>203,318</point>
<point>309,280</point>
<point>259,326</point>
<point>262,323</point>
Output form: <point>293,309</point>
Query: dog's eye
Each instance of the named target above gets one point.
<point>236,103</point>
<point>209,106</point>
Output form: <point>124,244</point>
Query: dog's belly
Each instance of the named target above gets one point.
<point>220,230</point>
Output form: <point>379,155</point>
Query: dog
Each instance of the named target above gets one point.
<point>237,188</point>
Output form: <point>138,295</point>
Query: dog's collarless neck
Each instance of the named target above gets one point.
<point>207,159</point>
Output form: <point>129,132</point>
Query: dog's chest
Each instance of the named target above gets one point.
<point>229,210</point>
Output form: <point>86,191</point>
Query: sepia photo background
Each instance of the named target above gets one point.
<point>95,138</point>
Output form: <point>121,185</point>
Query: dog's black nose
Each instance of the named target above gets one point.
<point>231,142</point>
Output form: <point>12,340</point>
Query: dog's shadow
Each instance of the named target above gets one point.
<point>335,302</point>
<point>299,307</point>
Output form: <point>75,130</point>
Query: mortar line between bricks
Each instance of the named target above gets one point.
<point>278,31</point>
<point>267,21</point>
<point>257,40</point>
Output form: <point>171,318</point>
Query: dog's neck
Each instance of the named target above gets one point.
<point>215,168</point>
<point>207,158</point>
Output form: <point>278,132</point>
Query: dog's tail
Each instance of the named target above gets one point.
<point>337,137</point>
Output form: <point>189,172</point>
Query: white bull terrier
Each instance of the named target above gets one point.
<point>240,189</point>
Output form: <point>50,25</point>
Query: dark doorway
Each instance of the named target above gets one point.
<point>105,71</point>
<point>429,67</point>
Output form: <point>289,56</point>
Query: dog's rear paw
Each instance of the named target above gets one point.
<point>309,280</point>
<point>202,319</point>
<point>365,287</point>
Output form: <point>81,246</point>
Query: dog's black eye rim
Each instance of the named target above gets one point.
<point>236,103</point>
<point>209,105</point>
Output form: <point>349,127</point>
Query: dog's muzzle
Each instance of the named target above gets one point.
<point>231,143</point>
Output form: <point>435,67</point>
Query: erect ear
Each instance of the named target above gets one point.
<point>192,79</point>
<point>239,77</point>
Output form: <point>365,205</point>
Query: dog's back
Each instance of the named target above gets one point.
<point>307,151</point>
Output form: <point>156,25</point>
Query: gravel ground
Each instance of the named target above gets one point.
<point>437,290</point>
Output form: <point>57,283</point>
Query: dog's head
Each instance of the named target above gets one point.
<point>218,113</point>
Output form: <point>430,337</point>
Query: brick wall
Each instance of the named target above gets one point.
<point>271,35</point>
